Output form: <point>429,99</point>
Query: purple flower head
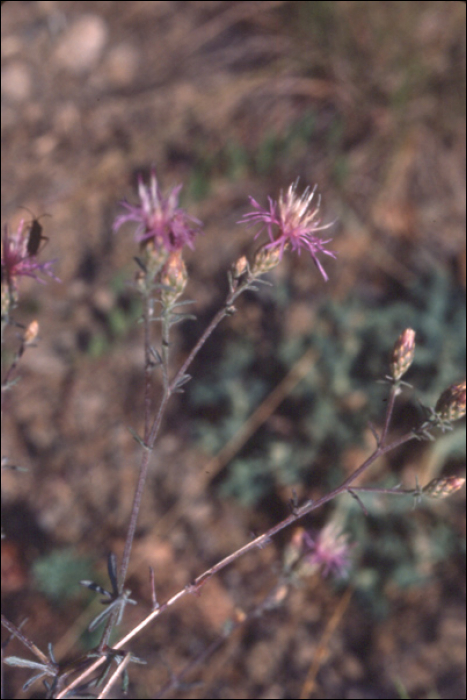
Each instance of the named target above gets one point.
<point>296,222</point>
<point>328,550</point>
<point>159,218</point>
<point>17,261</point>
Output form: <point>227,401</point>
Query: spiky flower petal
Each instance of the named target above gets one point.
<point>292,223</point>
<point>159,218</point>
<point>17,261</point>
<point>329,550</point>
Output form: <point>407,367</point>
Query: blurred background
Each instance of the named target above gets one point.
<point>238,99</point>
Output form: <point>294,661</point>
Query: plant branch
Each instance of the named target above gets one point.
<point>257,543</point>
<point>118,672</point>
<point>169,388</point>
<point>16,632</point>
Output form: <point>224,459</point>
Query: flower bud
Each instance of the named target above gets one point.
<point>140,281</point>
<point>240,267</point>
<point>8,300</point>
<point>31,333</point>
<point>174,276</point>
<point>266,259</point>
<point>451,404</point>
<point>443,486</point>
<point>402,354</point>
<point>155,258</point>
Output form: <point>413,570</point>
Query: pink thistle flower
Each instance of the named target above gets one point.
<point>159,218</point>
<point>296,223</point>
<point>329,551</point>
<point>17,261</point>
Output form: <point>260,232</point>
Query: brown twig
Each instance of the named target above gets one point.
<point>320,653</point>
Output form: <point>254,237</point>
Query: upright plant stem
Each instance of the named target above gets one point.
<point>150,435</point>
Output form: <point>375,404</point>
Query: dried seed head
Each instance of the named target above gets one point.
<point>402,354</point>
<point>443,486</point>
<point>451,404</point>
